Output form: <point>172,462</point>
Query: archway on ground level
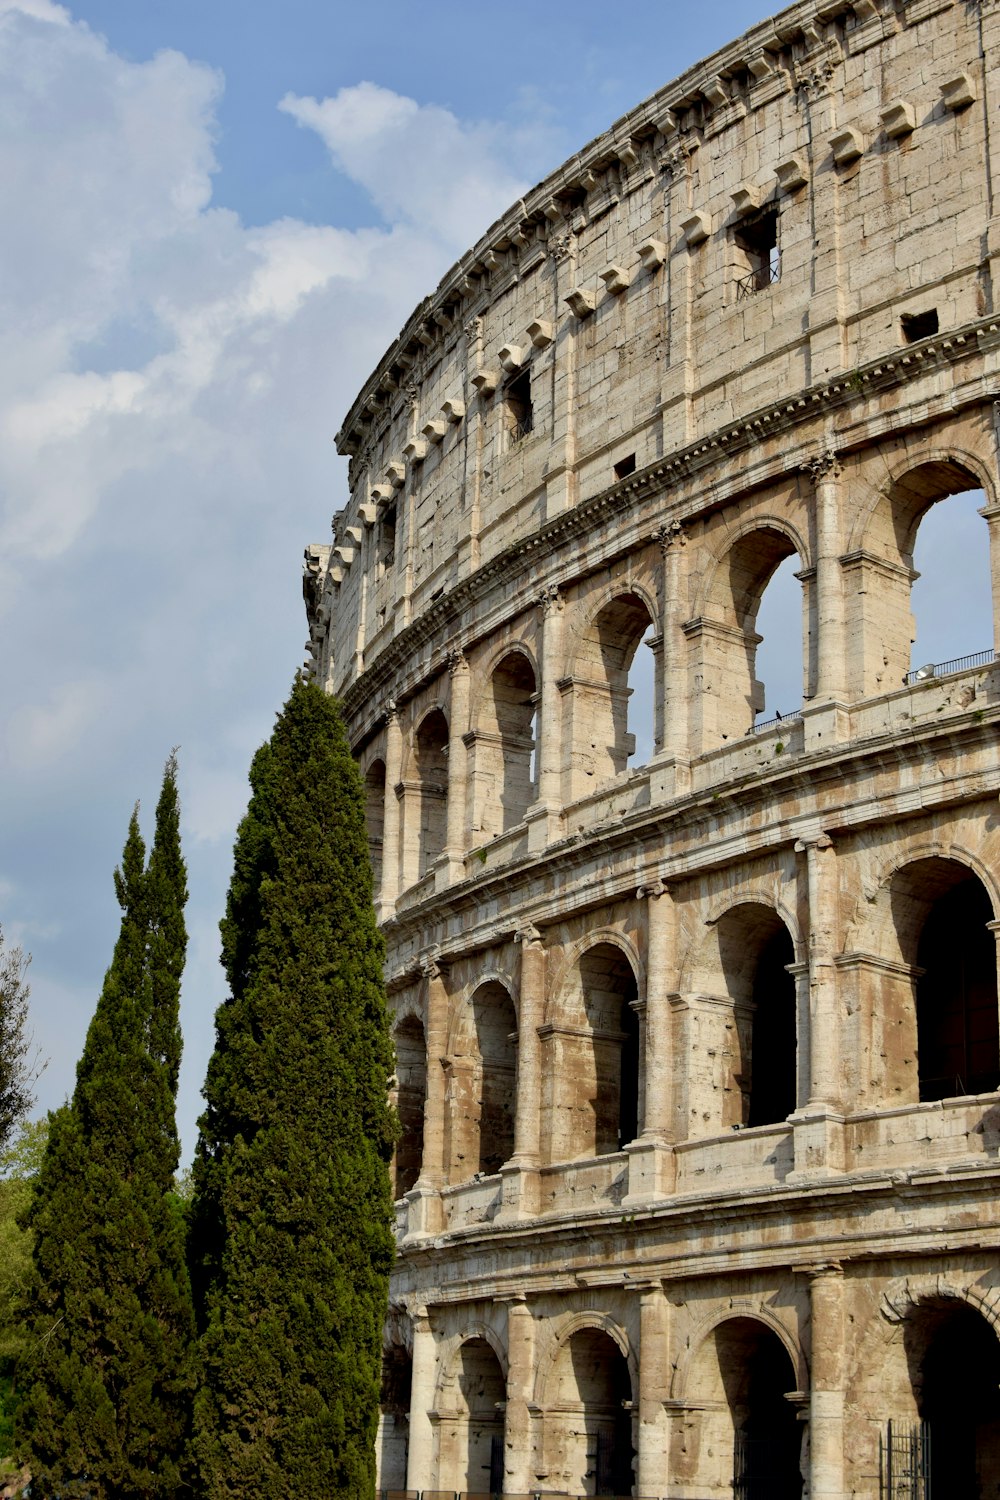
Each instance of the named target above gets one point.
<point>431,763</point>
<point>602,737</point>
<point>394,1422</point>
<point>477,1461</point>
<point>375,819</point>
<point>503,769</point>
<point>589,1444</point>
<point>954,1361</point>
<point>410,1094</point>
<point>747,1438</point>
<point>755,949</point>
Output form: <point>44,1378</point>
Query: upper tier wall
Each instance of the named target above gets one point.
<point>632,305</point>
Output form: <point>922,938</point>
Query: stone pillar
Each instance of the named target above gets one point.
<point>520,1174</point>
<point>828,681</point>
<point>654,1388</point>
<point>390,829</point>
<point>651,1167</point>
<point>425,1196</point>
<point>991,515</point>
<point>420,1455</point>
<point>674,650</point>
<point>518,1435</point>
<point>818,1126</point>
<point>826,1406</point>
<point>458,724</point>
<point>545,818</point>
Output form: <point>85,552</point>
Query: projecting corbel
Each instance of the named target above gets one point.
<point>652,254</point>
<point>792,174</point>
<point>616,279</point>
<point>581,302</point>
<point>847,146</point>
<point>541,333</point>
<point>697,227</point>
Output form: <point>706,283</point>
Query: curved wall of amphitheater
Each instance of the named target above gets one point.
<point>697,1058</point>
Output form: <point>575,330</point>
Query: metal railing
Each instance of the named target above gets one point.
<point>944,668</point>
<point>759,279</point>
<point>494,1495</point>
<point>792,718</point>
<point>904,1461</point>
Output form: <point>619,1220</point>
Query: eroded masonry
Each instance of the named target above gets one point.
<point>698,1066</point>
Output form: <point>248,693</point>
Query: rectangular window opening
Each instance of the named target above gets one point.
<point>517,406</point>
<point>919,325</point>
<point>625,466</point>
<point>387,537</point>
<point>757,237</point>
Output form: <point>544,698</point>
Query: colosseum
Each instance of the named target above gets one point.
<point>696,1018</point>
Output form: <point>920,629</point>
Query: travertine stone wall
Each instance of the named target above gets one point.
<point>695,1152</point>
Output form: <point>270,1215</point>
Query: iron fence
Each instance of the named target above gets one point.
<point>758,279</point>
<point>944,668</point>
<point>793,718</point>
<point>904,1461</point>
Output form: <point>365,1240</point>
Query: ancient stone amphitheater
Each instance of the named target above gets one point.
<point>697,1058</point>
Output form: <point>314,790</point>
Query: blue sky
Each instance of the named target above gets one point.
<point>218,213</point>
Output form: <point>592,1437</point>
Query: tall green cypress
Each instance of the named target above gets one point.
<point>291,1221</point>
<point>107,1379</point>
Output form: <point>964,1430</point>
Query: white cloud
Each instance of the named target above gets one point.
<point>169,382</point>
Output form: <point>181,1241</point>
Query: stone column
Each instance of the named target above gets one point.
<point>818,1128</point>
<point>518,1446</point>
<point>826,1406</point>
<point>991,515</point>
<point>654,1388</point>
<point>425,1195</point>
<point>420,1455</point>
<point>390,829</point>
<point>828,683</point>
<point>458,758</point>
<point>651,1160</point>
<point>545,818</point>
<point>520,1173</point>
<point>674,650</point>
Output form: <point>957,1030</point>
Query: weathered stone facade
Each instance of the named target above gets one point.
<point>697,1060</point>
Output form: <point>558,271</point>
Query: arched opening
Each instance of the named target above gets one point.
<point>482,1393</point>
<point>778,659</point>
<point>749,1439</point>
<point>609,997</point>
<point>958,1038</point>
<point>602,740</point>
<point>496,1027</point>
<point>431,757</point>
<point>375,819</point>
<point>924,547</point>
<point>642,702</point>
<point>503,770</point>
<point>410,1094</point>
<point>951,557</point>
<point>944,1342</point>
<point>733,692</point>
<point>394,1419</point>
<point>589,1444</point>
<point>755,949</point>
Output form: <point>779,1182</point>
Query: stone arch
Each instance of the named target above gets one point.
<point>600,660</point>
<point>879,565</point>
<point>747,1012</point>
<point>503,740</point>
<point>427,786</point>
<point>480,1330</point>
<point>482,1081</point>
<point>742,1431</point>
<point>571,954</point>
<point>738,1307</point>
<point>471,1398</point>
<point>592,1047</point>
<point>922,964</point>
<point>587,1385</point>
<point>724,635</point>
<point>409,1097</point>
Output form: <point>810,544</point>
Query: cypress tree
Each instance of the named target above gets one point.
<point>291,1221</point>
<point>107,1379</point>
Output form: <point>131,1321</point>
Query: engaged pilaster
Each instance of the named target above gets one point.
<point>519,1477</point>
<point>453,868</point>
<point>819,1125</point>
<point>390,827</point>
<point>545,818</point>
<point>420,1454</point>
<point>826,1406</point>
<point>651,1166</point>
<point>520,1174</point>
<point>654,1389</point>
<point>425,1196</point>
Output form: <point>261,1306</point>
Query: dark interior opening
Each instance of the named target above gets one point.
<point>919,325</point>
<point>958,1041</point>
<point>625,466</point>
<point>517,403</point>
<point>772,1037</point>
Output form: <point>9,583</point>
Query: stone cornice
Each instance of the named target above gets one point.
<point>889,371</point>
<point>806,32</point>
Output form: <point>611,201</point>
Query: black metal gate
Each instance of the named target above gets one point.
<point>763,1469</point>
<point>496,1465</point>
<point>904,1461</point>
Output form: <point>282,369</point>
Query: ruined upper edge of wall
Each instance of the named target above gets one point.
<point>706,85</point>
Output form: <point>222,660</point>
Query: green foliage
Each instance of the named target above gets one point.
<point>107,1376</point>
<point>291,1240</point>
<point>19,1166</point>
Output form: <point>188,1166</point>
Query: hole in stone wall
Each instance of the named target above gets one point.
<point>625,466</point>
<point>517,406</point>
<point>919,325</point>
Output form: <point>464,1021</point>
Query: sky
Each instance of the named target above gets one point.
<point>218,213</point>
